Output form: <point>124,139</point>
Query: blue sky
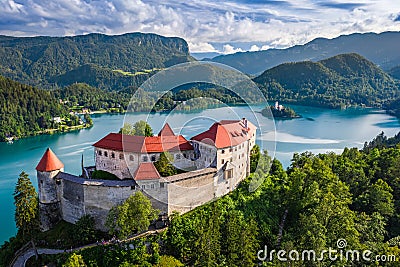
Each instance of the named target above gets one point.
<point>208,26</point>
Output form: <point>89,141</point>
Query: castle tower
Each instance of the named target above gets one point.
<point>49,199</point>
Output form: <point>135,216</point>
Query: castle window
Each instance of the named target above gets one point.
<point>41,181</point>
<point>145,158</point>
<point>152,186</point>
<point>113,155</point>
<point>230,149</point>
<point>185,156</point>
<point>58,182</point>
<point>161,185</point>
<point>223,151</point>
<point>222,161</point>
<point>178,156</point>
<point>131,157</point>
<point>230,160</point>
<point>121,156</point>
<point>144,186</point>
<point>105,154</point>
<point>153,158</point>
<point>228,174</point>
<point>99,152</point>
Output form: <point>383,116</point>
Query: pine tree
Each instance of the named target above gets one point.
<point>164,165</point>
<point>26,206</point>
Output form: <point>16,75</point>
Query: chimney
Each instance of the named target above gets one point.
<point>244,121</point>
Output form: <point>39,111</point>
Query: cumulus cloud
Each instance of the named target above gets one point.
<point>202,22</point>
<point>229,49</point>
<point>201,47</point>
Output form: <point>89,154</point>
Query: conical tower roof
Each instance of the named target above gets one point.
<point>49,162</point>
<point>166,131</point>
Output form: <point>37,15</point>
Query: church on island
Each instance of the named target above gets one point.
<point>213,163</point>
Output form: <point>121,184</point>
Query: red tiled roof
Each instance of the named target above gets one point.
<point>141,144</point>
<point>121,142</point>
<point>226,133</point>
<point>49,162</point>
<point>166,131</point>
<point>166,143</point>
<point>146,171</point>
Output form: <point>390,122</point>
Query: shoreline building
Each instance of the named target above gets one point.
<point>214,163</point>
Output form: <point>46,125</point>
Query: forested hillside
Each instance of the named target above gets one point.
<point>339,81</point>
<point>320,199</point>
<point>96,59</point>
<point>25,110</point>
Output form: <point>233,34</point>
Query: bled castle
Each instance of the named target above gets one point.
<point>215,162</point>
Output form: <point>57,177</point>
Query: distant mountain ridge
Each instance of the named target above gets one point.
<point>382,49</point>
<point>47,61</point>
<point>339,81</point>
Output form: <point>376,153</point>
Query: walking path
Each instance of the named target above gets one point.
<point>20,260</point>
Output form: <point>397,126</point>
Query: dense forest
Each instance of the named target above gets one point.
<point>318,200</point>
<point>80,95</point>
<point>340,81</point>
<point>48,62</point>
<point>25,110</point>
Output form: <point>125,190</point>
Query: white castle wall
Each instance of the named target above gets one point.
<point>125,164</point>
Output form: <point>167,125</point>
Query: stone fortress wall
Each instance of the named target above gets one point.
<point>69,197</point>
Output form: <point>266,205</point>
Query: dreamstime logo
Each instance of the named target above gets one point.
<point>339,254</point>
<point>152,93</point>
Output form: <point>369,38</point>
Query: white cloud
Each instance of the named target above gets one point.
<point>254,48</point>
<point>228,49</point>
<point>201,47</point>
<point>202,22</point>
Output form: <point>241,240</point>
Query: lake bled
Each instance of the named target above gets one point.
<point>320,130</point>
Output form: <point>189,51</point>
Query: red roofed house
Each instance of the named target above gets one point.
<point>122,154</point>
<point>226,144</point>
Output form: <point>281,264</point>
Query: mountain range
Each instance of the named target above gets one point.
<point>121,63</point>
<point>108,62</point>
<point>382,49</point>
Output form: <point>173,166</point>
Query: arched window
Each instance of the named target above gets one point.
<point>105,154</point>
<point>131,158</point>
<point>223,151</point>
<point>184,155</point>
<point>113,155</point>
<point>99,152</point>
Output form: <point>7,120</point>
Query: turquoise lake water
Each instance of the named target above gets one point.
<point>319,130</point>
